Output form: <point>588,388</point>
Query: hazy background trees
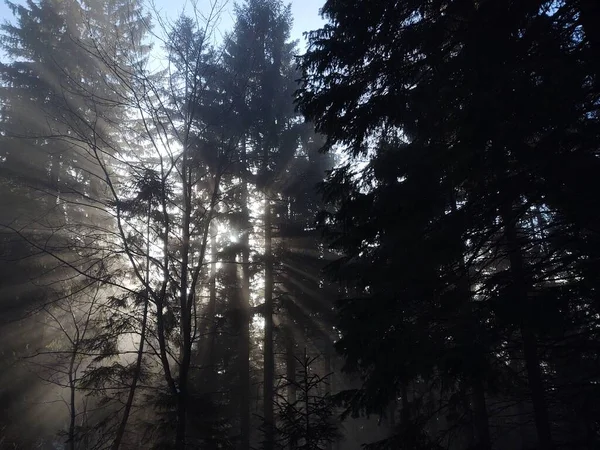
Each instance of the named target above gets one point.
<point>143,201</point>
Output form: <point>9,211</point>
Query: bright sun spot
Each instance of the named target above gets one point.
<point>258,322</point>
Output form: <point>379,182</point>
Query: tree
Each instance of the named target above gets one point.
<point>260,56</point>
<point>149,188</point>
<point>51,195</point>
<point>305,296</point>
<point>307,421</point>
<point>67,357</point>
<point>456,107</point>
<point>128,124</point>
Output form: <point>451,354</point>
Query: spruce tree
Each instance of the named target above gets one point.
<point>260,56</point>
<point>471,126</point>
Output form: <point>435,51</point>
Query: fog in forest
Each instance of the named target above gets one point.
<point>322,225</point>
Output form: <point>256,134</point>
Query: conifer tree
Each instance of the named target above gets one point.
<point>471,126</point>
<point>122,122</point>
<point>306,421</point>
<point>260,56</point>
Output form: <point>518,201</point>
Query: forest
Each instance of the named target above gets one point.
<point>214,237</point>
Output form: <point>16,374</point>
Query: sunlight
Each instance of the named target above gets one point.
<point>258,322</point>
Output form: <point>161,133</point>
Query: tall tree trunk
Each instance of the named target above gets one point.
<point>55,171</point>
<point>188,288</point>
<point>516,366</point>
<point>530,351</point>
<point>244,339</point>
<point>536,385</point>
<point>210,329</point>
<point>55,189</point>
<point>72,407</point>
<point>481,420</point>
<point>290,362</point>
<point>162,295</point>
<point>290,368</point>
<point>481,426</point>
<point>186,320</point>
<point>306,393</point>
<point>140,354</point>
<point>182,397</point>
<point>212,288</point>
<point>329,374</point>
<point>136,375</point>
<point>269,362</point>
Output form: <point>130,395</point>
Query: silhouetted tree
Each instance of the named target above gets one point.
<point>306,421</point>
<point>458,230</point>
<point>260,57</point>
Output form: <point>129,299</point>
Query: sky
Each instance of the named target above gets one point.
<point>306,16</point>
<point>305,13</point>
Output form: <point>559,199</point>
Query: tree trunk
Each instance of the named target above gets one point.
<point>536,385</point>
<point>185,305</point>
<point>161,297</point>
<point>181,416</point>
<point>72,388</point>
<point>244,339</point>
<point>55,170</point>
<point>290,364</point>
<point>480,422</point>
<point>532,362</point>
<point>140,355</point>
<point>210,329</point>
<point>269,363</point>
<point>290,368</point>
<point>133,387</point>
<point>307,411</point>
<point>212,299</point>
<point>328,373</point>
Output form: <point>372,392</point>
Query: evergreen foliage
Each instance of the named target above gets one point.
<point>462,235</point>
<point>306,422</point>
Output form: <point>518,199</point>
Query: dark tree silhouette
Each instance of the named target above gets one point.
<point>458,232</point>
